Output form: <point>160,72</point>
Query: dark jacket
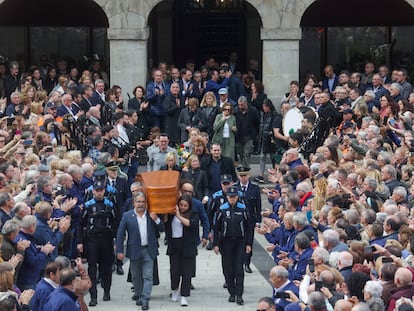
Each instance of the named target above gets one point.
<point>404,291</point>
<point>129,224</point>
<point>34,262</point>
<point>42,291</point>
<point>198,178</point>
<point>44,234</point>
<point>194,120</point>
<point>190,236</point>
<point>247,124</point>
<point>61,299</point>
<point>227,167</point>
<point>172,113</point>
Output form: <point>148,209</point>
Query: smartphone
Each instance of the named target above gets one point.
<point>282,295</point>
<point>10,121</point>
<point>387,259</point>
<point>311,263</point>
<point>27,142</point>
<point>318,286</point>
<point>370,249</point>
<point>309,215</point>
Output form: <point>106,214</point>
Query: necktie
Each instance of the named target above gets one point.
<point>113,183</point>
<point>244,189</point>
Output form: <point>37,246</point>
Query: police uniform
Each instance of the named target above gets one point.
<point>97,225</point>
<point>232,235</point>
<point>250,197</point>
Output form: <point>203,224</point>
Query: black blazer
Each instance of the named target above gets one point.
<point>253,201</point>
<point>227,167</point>
<point>190,236</point>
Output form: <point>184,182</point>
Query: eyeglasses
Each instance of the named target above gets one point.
<point>227,109</point>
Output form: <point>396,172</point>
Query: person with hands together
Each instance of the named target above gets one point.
<point>181,230</point>
<point>35,256</point>
<point>143,229</point>
<point>233,239</point>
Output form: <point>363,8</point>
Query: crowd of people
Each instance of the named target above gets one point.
<point>338,221</point>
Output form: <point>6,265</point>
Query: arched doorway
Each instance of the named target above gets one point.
<point>69,29</point>
<point>347,35</point>
<point>200,28</point>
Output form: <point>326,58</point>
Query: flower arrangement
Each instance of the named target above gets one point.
<point>183,154</point>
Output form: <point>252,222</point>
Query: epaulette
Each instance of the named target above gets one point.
<point>241,205</point>
<point>90,202</point>
<point>217,194</point>
<point>108,202</point>
<point>110,189</point>
<point>224,206</point>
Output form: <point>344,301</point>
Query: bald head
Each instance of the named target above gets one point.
<point>343,305</point>
<point>403,277</point>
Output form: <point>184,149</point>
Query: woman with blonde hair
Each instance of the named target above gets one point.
<point>170,163</point>
<point>319,192</point>
<point>74,156</point>
<point>209,107</point>
<point>198,178</point>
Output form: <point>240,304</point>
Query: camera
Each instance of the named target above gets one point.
<point>282,295</point>
<point>144,100</point>
<point>59,189</point>
<point>225,68</point>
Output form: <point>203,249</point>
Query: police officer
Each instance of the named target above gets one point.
<point>217,199</point>
<point>252,200</point>
<point>97,225</point>
<point>233,239</point>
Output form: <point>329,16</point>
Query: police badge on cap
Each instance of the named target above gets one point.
<point>232,191</point>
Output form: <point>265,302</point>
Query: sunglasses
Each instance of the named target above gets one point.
<point>226,109</point>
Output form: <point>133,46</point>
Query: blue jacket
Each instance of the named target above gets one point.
<point>129,224</point>
<point>42,292</point>
<point>213,86</point>
<point>44,234</point>
<point>280,302</point>
<point>34,262</point>
<point>61,299</point>
<point>199,208</point>
<point>157,101</point>
<point>299,266</point>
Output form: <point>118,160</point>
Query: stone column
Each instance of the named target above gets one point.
<point>280,61</point>
<point>128,55</point>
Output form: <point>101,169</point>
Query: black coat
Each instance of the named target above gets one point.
<point>190,236</point>
<point>197,120</point>
<point>199,180</point>
<point>172,113</point>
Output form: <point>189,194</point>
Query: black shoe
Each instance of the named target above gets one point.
<point>106,297</point>
<point>119,270</point>
<point>192,286</point>
<point>134,297</point>
<point>247,269</point>
<point>93,302</point>
<point>138,302</point>
<point>145,306</point>
<point>239,300</point>
<point>225,285</point>
<point>232,298</point>
<point>132,288</point>
<point>210,246</point>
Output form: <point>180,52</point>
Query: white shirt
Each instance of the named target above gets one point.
<point>122,133</point>
<point>176,228</point>
<point>142,226</point>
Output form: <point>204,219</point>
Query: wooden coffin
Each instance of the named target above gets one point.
<point>161,188</point>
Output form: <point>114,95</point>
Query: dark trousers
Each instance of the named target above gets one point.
<point>181,268</point>
<point>248,256</point>
<point>232,259</point>
<point>100,253</point>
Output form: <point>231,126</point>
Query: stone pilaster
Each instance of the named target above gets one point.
<point>280,61</point>
<point>128,54</point>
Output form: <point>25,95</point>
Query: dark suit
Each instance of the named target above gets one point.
<point>96,99</point>
<point>62,110</point>
<point>325,84</point>
<point>141,256</point>
<point>280,302</point>
<point>251,198</point>
<point>85,104</point>
<point>226,167</point>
